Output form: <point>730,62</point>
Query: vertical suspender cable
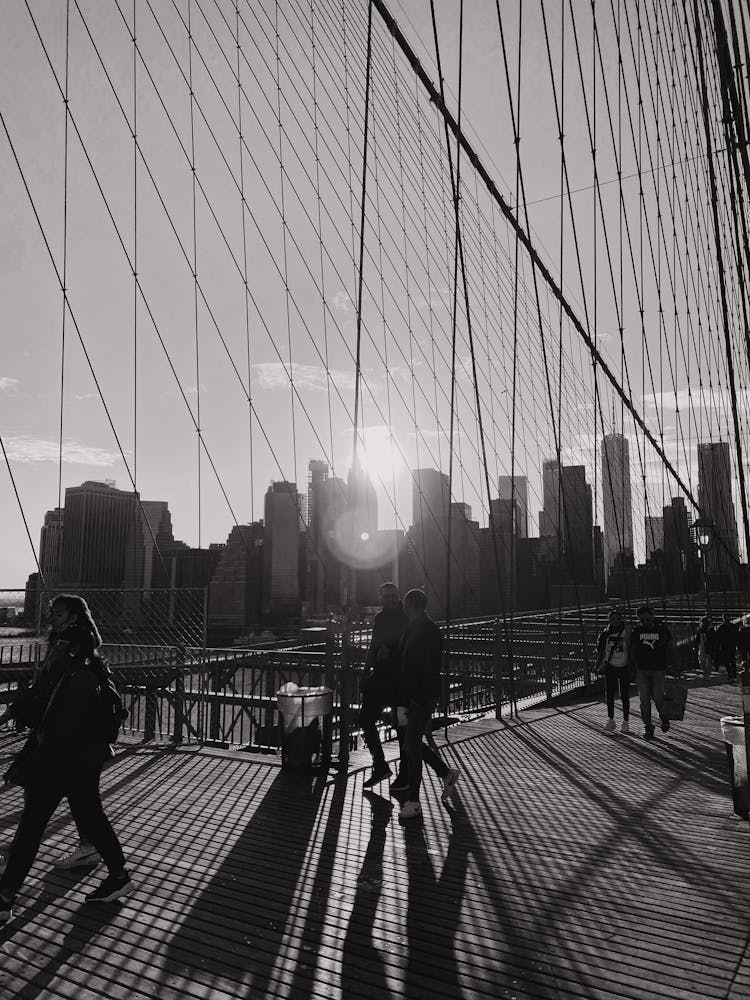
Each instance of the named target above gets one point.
<point>58,533</point>
<point>195,260</point>
<point>360,275</point>
<point>248,354</point>
<point>720,265</point>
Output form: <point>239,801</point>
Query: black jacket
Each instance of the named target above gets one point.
<point>63,710</point>
<point>383,654</point>
<point>650,646</point>
<point>421,651</point>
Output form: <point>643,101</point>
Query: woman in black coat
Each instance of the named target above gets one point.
<point>64,754</point>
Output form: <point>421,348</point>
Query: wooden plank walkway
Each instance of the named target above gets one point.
<point>571,865</point>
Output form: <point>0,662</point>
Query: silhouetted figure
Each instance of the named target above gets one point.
<point>650,649</point>
<point>419,690</point>
<point>64,754</point>
<point>727,638</point>
<point>381,684</point>
<point>613,647</point>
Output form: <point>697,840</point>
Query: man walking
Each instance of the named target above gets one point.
<point>419,690</point>
<point>612,660</point>
<point>381,683</point>
<point>650,648</point>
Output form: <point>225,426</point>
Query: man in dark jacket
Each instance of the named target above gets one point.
<point>381,683</point>
<point>418,692</point>
<point>650,651</point>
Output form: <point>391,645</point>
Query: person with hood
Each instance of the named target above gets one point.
<point>381,683</point>
<point>64,753</point>
<point>418,693</point>
<point>612,660</point>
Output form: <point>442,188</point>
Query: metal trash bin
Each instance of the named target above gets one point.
<point>733,731</point>
<point>306,725</point>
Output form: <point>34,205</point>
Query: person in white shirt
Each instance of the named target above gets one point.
<point>612,660</point>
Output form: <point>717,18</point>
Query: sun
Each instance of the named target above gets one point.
<point>379,454</point>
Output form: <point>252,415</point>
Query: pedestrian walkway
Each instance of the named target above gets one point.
<point>571,865</point>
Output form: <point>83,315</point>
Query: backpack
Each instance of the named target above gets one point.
<point>112,711</point>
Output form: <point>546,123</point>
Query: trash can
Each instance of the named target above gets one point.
<point>733,731</point>
<point>306,714</point>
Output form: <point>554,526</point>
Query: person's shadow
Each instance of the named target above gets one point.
<point>266,895</point>
<point>359,950</point>
<point>434,907</point>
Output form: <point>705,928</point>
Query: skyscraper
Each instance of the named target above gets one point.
<point>506,491</point>
<point>362,501</point>
<point>282,538</point>
<point>654,534</point>
<point>50,547</point>
<point>429,535</point>
<point>157,537</point>
<point>715,502</point>
<point>550,516</point>
<point>102,537</point>
<point>577,524</point>
<point>618,508</point>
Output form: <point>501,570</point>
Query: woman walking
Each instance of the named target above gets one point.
<point>64,755</point>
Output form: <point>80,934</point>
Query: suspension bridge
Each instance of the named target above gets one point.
<point>313,294</point>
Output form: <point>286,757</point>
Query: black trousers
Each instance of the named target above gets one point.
<point>377,694</point>
<point>416,751</point>
<point>39,803</point>
<point>617,679</point>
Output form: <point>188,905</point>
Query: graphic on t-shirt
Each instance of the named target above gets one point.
<point>649,639</point>
<point>616,656</point>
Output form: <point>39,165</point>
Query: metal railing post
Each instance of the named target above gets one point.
<point>498,670</point>
<point>344,707</point>
<point>179,691</point>
<point>547,661</point>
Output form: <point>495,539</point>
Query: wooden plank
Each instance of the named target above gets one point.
<point>574,865</point>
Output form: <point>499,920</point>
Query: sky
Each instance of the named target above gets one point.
<point>277,283</point>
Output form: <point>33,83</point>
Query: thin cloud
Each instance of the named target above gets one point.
<point>29,449</point>
<point>8,384</point>
<point>307,378</point>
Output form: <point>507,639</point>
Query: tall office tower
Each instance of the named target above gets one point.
<point>316,555</point>
<point>103,540</point>
<point>577,524</point>
<point>550,516</point>
<point>50,547</point>
<point>235,593</point>
<point>331,521</point>
<point>715,502</point>
<point>362,501</point>
<point>157,537</point>
<point>282,538</point>
<point>654,534</point>
<point>520,494</point>
<point>465,568</point>
<point>680,563</point>
<point>505,522</point>
<point>429,535</point>
<point>618,508</point>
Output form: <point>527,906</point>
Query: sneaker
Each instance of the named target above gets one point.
<point>6,907</point>
<point>84,854</point>
<point>665,725</point>
<point>113,887</point>
<point>609,726</point>
<point>410,810</point>
<point>449,784</point>
<point>625,728</point>
<point>399,786</point>
<point>648,733</point>
<point>379,773</point>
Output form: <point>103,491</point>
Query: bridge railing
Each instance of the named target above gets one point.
<point>227,696</point>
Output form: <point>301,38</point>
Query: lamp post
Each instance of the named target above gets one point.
<point>703,529</point>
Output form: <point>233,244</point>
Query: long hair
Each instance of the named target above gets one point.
<point>76,605</point>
